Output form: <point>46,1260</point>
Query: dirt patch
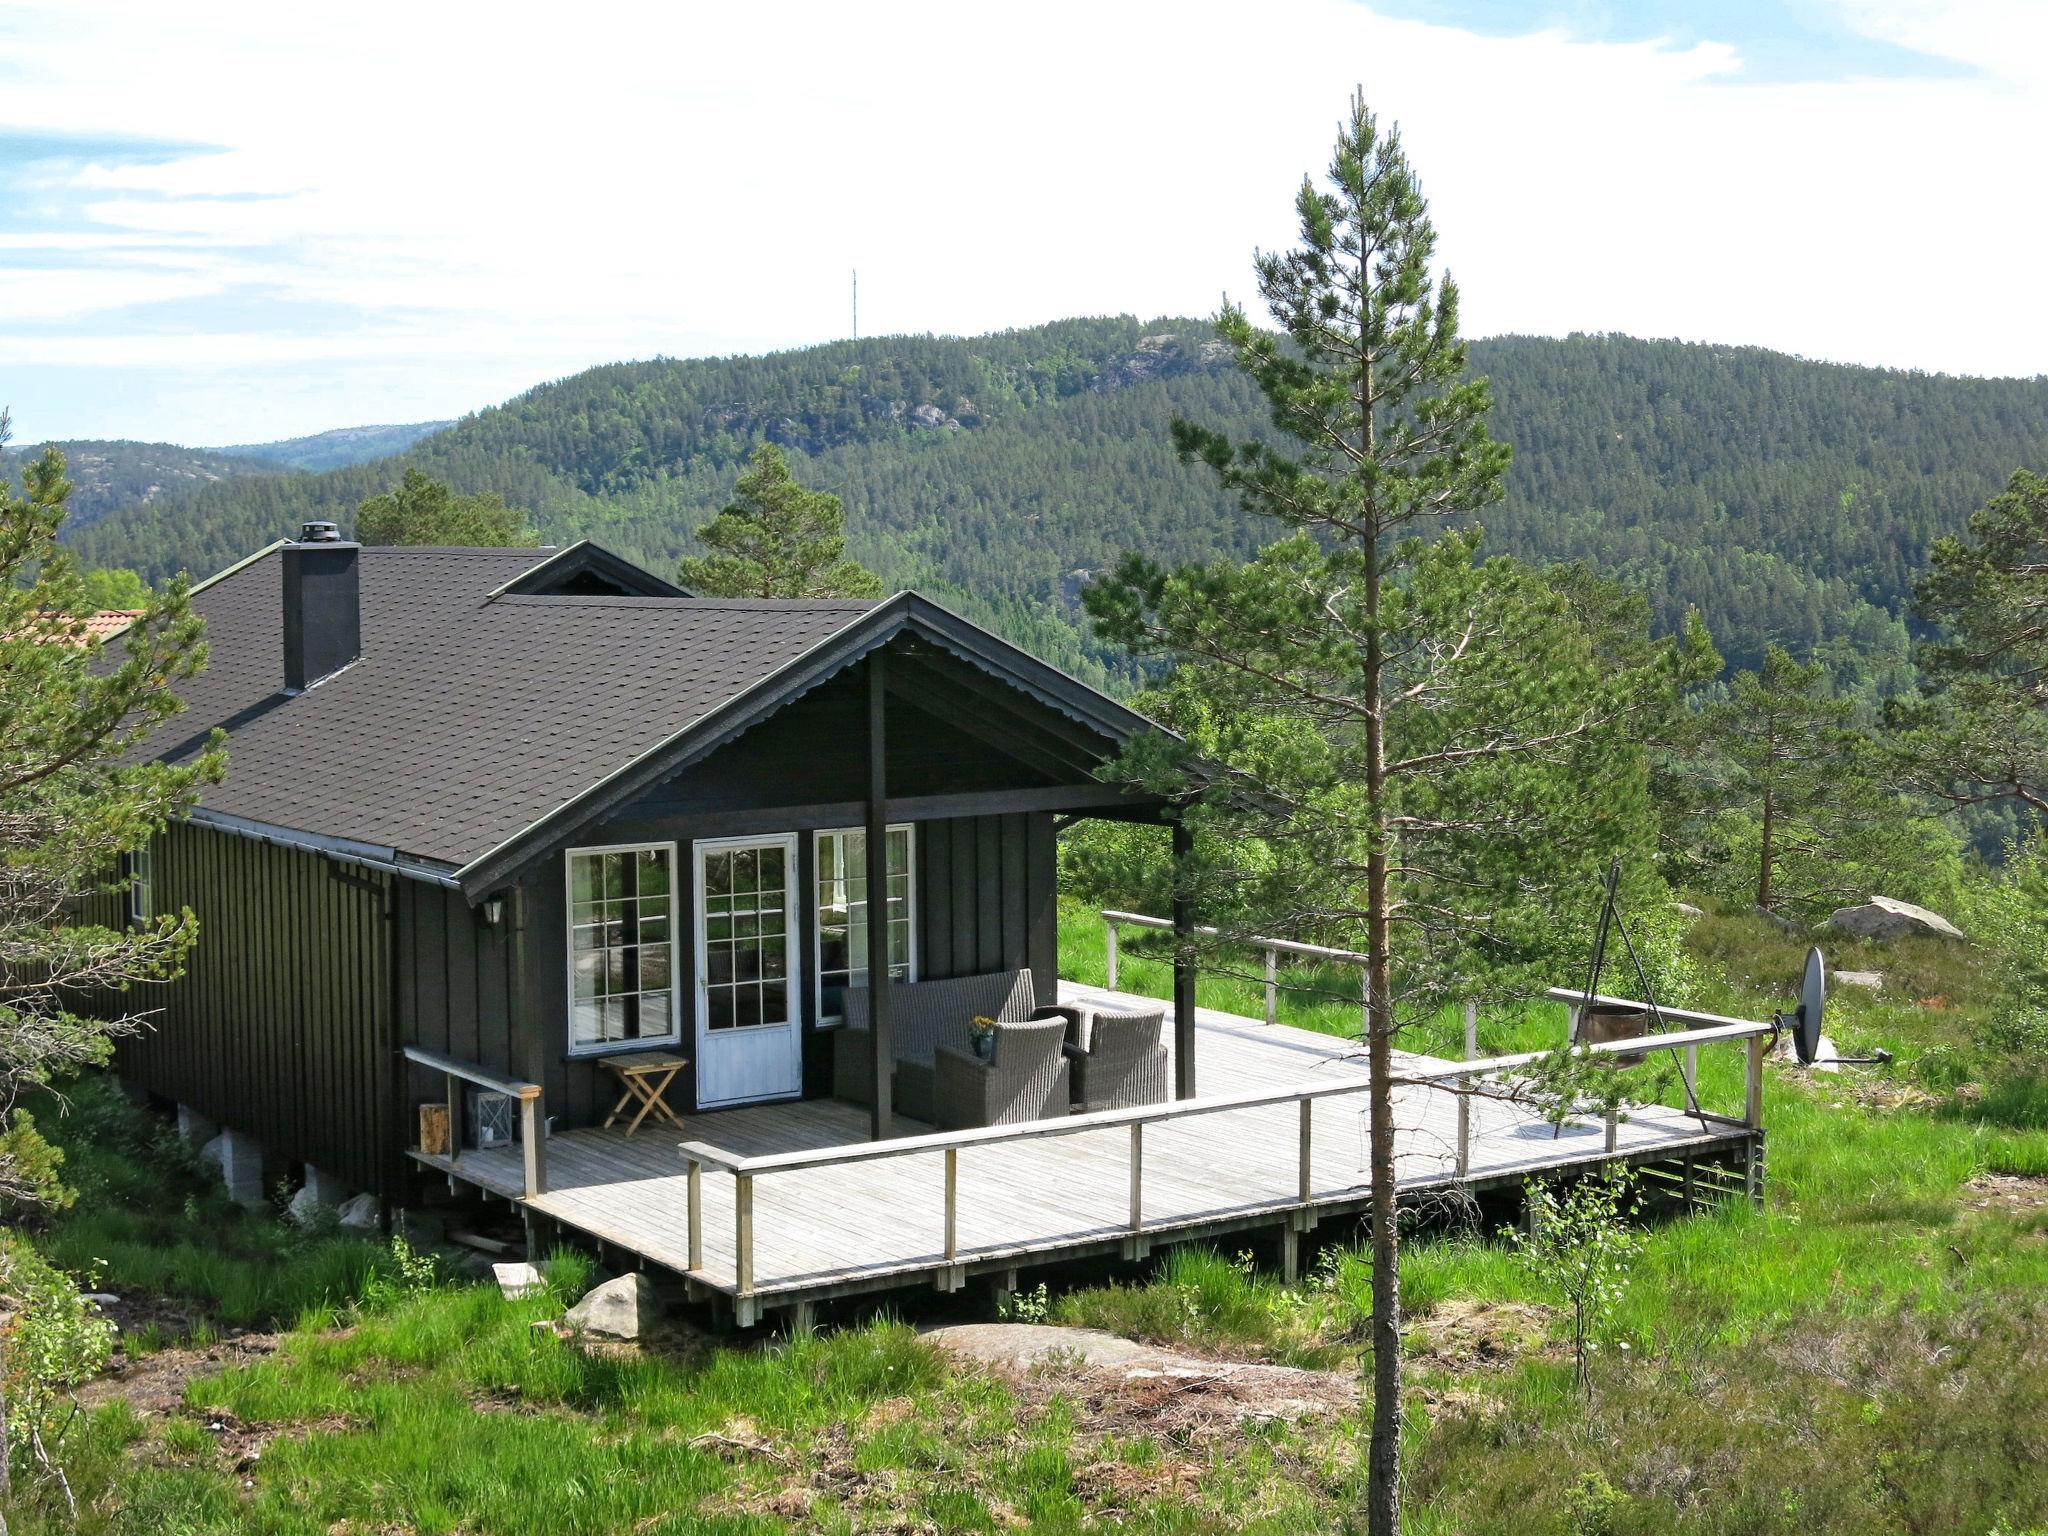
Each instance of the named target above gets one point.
<point>1479,1335</point>
<point>155,1383</point>
<point>1120,1387</point>
<point>2010,1193</point>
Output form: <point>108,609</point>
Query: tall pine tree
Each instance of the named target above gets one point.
<point>1403,749</point>
<point>777,539</point>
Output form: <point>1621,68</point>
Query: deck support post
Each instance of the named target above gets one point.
<point>1304,1178</point>
<point>696,1186</point>
<point>883,1060</point>
<point>1272,987</point>
<point>1109,952</point>
<point>803,1319</point>
<point>1137,1176</point>
<point>743,1235</point>
<point>1290,1254</point>
<point>1183,965</point>
<point>1471,1029</point>
<point>1464,1129</point>
<point>454,1118</point>
<point>1613,1128</point>
<point>952,1204</point>
<point>534,1148</point>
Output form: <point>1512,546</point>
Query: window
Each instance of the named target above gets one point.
<point>621,946</point>
<point>843,915</point>
<point>748,912</point>
<point>141,886</point>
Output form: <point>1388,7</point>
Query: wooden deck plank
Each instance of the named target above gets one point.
<point>868,1221</point>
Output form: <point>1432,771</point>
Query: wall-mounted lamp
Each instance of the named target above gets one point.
<point>493,910</point>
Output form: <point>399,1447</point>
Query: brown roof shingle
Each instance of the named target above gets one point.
<point>467,719</point>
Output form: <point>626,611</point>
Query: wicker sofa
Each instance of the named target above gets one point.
<point>925,1016</point>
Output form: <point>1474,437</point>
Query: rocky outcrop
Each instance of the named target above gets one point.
<point>1162,357</point>
<point>1884,918</point>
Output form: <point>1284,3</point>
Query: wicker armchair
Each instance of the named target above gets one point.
<point>924,1015</point>
<point>1024,1079</point>
<point>1121,1062</point>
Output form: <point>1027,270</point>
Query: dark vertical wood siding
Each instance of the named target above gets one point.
<point>456,988</point>
<point>281,1024</point>
<point>987,893</point>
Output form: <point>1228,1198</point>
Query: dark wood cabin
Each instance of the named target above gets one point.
<point>502,805</point>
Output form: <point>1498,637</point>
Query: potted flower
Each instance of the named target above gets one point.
<point>981,1034</point>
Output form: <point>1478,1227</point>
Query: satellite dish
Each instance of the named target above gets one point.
<point>1804,1021</point>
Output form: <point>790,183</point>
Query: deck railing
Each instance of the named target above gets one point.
<point>1712,1029</point>
<point>1273,948</point>
<point>532,1124</point>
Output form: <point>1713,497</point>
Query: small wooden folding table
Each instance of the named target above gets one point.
<point>644,1076</point>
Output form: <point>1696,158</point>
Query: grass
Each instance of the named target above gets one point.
<point>1862,1355</point>
<point>151,1218</point>
<point>450,1412</point>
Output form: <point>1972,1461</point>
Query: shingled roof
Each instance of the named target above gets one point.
<point>478,711</point>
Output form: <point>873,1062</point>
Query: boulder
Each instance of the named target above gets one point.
<point>358,1214</point>
<point>1782,923</point>
<point>1687,910</point>
<point>1884,918</point>
<point>1869,980</point>
<point>625,1308</point>
<point>519,1281</point>
<point>306,1207</point>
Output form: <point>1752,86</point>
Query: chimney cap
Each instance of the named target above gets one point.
<point>319,533</point>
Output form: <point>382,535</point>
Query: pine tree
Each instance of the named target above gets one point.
<point>71,806</point>
<point>425,511</point>
<point>1401,748</point>
<point>776,539</point>
<point>1978,733</point>
<point>1805,790</point>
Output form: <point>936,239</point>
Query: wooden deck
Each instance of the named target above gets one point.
<point>844,1228</point>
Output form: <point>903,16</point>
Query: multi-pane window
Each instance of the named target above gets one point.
<point>141,886</point>
<point>621,947</point>
<point>843,915</point>
<point>746,935</point>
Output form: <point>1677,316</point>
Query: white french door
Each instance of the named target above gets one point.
<point>749,1000</point>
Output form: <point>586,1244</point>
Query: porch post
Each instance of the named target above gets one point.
<point>878,898</point>
<point>1183,967</point>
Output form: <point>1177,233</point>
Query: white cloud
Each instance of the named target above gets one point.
<point>506,189</point>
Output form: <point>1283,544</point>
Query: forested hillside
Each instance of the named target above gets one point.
<point>107,476</point>
<point>342,446</point>
<point>1791,501</point>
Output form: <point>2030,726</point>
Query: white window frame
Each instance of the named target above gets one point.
<point>675,973</point>
<point>794,896</point>
<point>141,886</point>
<point>909,829</point>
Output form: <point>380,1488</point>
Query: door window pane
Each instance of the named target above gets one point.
<point>746,937</point>
<point>842,898</point>
<point>621,947</point>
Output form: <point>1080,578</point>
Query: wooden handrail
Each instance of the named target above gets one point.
<point>745,1170</point>
<point>1285,946</point>
<point>1575,996</point>
<point>1180,1109</point>
<point>470,1072</point>
<point>532,1123</point>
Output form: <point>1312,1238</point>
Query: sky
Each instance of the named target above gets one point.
<point>227,223</point>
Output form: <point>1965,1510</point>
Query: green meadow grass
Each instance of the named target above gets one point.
<point>1861,1355</point>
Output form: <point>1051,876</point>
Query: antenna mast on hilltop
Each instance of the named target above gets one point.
<point>856,303</point>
